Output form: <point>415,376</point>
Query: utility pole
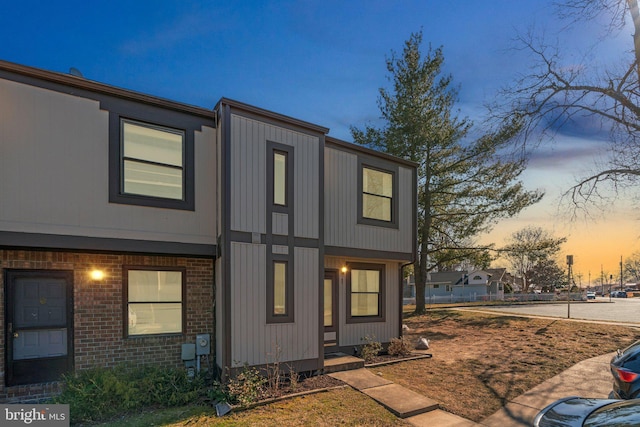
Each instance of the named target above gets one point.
<point>569,264</point>
<point>621,272</point>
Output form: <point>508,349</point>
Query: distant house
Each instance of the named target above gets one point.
<point>132,226</point>
<point>448,286</point>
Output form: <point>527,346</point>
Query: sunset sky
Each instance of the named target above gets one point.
<point>323,61</point>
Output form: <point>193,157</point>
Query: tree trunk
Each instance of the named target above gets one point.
<point>420,294</point>
<point>635,15</point>
<point>423,257</point>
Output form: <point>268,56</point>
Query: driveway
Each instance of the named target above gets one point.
<point>619,310</point>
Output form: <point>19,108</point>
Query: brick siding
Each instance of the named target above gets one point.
<point>98,312</point>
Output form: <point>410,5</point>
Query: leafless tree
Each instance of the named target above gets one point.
<point>556,92</point>
<point>529,247</point>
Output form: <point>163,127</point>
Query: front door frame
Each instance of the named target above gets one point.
<point>332,345</point>
<point>35,371</point>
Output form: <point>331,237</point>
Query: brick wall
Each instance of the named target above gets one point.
<point>98,311</point>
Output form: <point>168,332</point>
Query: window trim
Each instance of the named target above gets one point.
<point>288,151</point>
<point>125,299</point>
<point>380,317</point>
<point>285,154</point>
<point>116,164</point>
<point>288,317</point>
<point>381,166</point>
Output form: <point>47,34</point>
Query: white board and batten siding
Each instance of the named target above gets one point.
<point>341,208</point>
<point>255,342</point>
<point>354,333</point>
<point>54,173</point>
<point>249,177</point>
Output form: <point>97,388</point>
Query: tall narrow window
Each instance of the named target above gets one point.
<point>328,302</point>
<point>154,301</point>
<point>279,178</point>
<point>279,288</point>
<point>152,161</point>
<point>280,291</point>
<point>377,194</point>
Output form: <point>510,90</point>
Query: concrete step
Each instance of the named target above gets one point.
<point>341,362</point>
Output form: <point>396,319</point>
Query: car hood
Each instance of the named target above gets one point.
<point>570,412</point>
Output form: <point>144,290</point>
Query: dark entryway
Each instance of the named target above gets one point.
<point>39,325</point>
<point>330,311</point>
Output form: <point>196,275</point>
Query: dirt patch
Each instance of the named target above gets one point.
<point>481,361</point>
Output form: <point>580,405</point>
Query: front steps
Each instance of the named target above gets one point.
<point>337,362</point>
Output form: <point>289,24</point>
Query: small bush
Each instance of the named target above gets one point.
<point>370,349</point>
<point>294,380</point>
<point>399,347</point>
<point>247,387</point>
<point>100,393</point>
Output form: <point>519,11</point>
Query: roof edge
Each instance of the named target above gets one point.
<point>272,115</point>
<point>329,140</point>
<point>94,86</point>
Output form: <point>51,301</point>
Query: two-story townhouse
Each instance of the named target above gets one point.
<point>131,224</point>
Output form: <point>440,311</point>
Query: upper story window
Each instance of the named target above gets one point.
<point>151,164</point>
<point>154,301</point>
<point>152,161</point>
<point>377,193</point>
<point>280,178</point>
<point>280,158</point>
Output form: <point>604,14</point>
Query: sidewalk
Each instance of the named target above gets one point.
<point>589,378</point>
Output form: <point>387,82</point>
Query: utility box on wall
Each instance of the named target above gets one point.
<point>203,344</point>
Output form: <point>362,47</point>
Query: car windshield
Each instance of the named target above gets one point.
<point>625,413</point>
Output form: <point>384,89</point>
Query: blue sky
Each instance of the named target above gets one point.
<point>319,61</point>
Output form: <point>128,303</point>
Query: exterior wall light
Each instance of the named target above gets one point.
<point>344,269</point>
<point>96,275</point>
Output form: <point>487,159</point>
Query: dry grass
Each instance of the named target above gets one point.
<point>481,361</point>
<point>343,406</point>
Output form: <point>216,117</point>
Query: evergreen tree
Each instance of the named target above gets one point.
<point>464,185</point>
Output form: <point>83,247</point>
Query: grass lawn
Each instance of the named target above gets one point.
<point>480,361</point>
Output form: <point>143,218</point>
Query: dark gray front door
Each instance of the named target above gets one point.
<point>39,325</point>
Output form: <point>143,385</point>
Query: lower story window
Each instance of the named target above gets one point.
<point>365,284</point>
<point>154,301</point>
<point>280,291</point>
<point>279,288</point>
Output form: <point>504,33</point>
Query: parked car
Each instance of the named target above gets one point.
<point>625,368</point>
<point>580,411</point>
<point>618,294</point>
<point>591,295</point>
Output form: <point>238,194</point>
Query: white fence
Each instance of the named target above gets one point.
<point>449,299</point>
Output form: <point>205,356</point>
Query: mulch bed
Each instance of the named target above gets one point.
<point>387,359</point>
<point>304,385</point>
<point>321,382</point>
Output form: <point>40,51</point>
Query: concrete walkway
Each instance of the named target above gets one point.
<point>589,378</point>
<point>404,403</point>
